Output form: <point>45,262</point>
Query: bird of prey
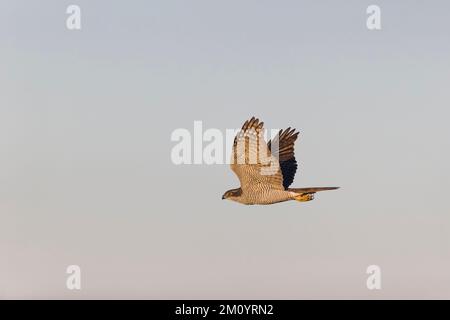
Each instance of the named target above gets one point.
<point>266,171</point>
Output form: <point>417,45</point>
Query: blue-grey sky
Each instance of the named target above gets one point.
<point>86,176</point>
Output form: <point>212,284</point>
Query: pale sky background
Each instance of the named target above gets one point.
<point>85,170</point>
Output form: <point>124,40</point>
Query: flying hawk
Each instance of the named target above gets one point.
<point>266,171</point>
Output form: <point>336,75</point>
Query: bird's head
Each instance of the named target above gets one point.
<point>232,194</point>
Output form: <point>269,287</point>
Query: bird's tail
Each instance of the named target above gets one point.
<point>307,194</point>
<point>312,189</point>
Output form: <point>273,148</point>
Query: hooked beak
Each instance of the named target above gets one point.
<point>223,197</point>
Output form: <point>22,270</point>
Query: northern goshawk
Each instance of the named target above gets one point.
<point>266,170</point>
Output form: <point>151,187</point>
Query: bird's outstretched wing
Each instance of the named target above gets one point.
<point>282,147</point>
<point>252,160</point>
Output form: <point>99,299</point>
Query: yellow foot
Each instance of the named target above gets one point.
<point>304,197</point>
